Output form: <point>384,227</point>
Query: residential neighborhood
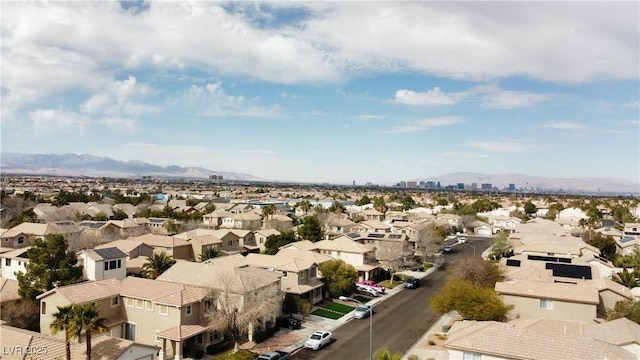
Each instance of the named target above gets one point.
<point>191,270</point>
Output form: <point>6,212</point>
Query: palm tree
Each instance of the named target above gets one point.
<point>209,252</point>
<point>157,264</point>
<point>88,318</point>
<point>63,320</point>
<point>305,206</point>
<point>627,278</point>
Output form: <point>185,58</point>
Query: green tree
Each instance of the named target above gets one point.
<point>364,200</point>
<point>380,205</point>
<point>87,317</point>
<point>606,244</point>
<point>385,354</point>
<point>339,277</point>
<point>209,252</point>
<point>119,214</point>
<point>49,263</point>
<point>64,320</point>
<point>470,301</point>
<point>311,229</point>
<point>274,242</point>
<point>626,308</point>
<point>290,304</point>
<point>501,245</point>
<point>157,264</point>
<point>337,207</point>
<point>627,278</point>
<point>305,206</point>
<point>530,208</point>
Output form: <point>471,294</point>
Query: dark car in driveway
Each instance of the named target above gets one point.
<point>290,322</point>
<point>412,283</point>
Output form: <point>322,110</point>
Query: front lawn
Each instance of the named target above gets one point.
<point>333,310</point>
<point>327,314</point>
<point>339,307</point>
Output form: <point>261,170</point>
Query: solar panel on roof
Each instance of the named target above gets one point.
<point>376,235</point>
<point>353,235</point>
<point>512,262</point>
<point>549,258</point>
<point>110,253</point>
<point>570,271</point>
<point>395,236</point>
<point>627,239</point>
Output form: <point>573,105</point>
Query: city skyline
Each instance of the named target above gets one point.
<point>329,92</point>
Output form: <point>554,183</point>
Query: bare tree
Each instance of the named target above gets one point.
<point>428,240</point>
<point>242,306</point>
<point>391,255</point>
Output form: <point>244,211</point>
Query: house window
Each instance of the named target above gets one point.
<point>130,331</point>
<point>106,265</point>
<point>44,308</point>
<point>313,272</point>
<point>163,309</point>
<point>139,303</point>
<point>301,275</point>
<point>7,262</point>
<point>148,305</point>
<point>129,302</point>
<point>157,337</point>
<point>115,301</point>
<point>112,264</point>
<point>188,310</point>
<point>546,304</point>
<point>471,356</point>
<point>199,338</point>
<point>230,243</point>
<point>213,336</point>
<point>20,239</point>
<point>208,305</point>
<point>119,263</point>
<point>284,274</point>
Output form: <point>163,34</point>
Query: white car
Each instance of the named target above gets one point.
<point>318,340</point>
<point>361,312</point>
<point>367,290</point>
<point>462,240</point>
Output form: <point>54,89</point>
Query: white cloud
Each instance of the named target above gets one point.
<point>494,98</point>
<point>502,147</point>
<point>119,124</point>
<point>429,98</point>
<point>369,117</point>
<point>47,121</point>
<point>425,124</point>
<point>212,100</point>
<point>564,125</point>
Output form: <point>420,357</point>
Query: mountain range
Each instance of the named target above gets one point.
<point>98,166</point>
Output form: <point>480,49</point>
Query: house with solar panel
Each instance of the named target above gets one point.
<point>630,240</point>
<point>103,263</point>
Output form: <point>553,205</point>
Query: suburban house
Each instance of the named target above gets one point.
<point>158,225</point>
<point>104,263</point>
<point>260,237</point>
<point>14,261</point>
<point>156,313</point>
<point>100,230</point>
<point>537,299</point>
<point>392,250</point>
<point>504,223</point>
<point>299,276</point>
<point>214,219</point>
<point>231,241</point>
<point>137,253</point>
<point>102,348</point>
<point>237,286</point>
<point>22,235</point>
<point>337,225</point>
<point>372,214</point>
<point>281,223</point>
<point>243,221</point>
<point>361,256</point>
<point>174,246</point>
<point>371,226</point>
<point>496,340</point>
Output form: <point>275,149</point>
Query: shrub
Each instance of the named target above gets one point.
<point>431,342</point>
<point>219,347</point>
<point>265,334</point>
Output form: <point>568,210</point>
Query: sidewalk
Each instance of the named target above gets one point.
<point>293,340</point>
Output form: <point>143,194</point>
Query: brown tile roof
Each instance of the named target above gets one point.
<point>161,240</point>
<point>103,347</point>
<point>546,290</point>
<point>619,332</point>
<point>164,292</point>
<point>87,291</point>
<point>502,340</point>
<point>226,278</point>
<point>8,290</point>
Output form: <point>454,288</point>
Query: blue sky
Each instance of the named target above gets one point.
<point>329,91</point>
